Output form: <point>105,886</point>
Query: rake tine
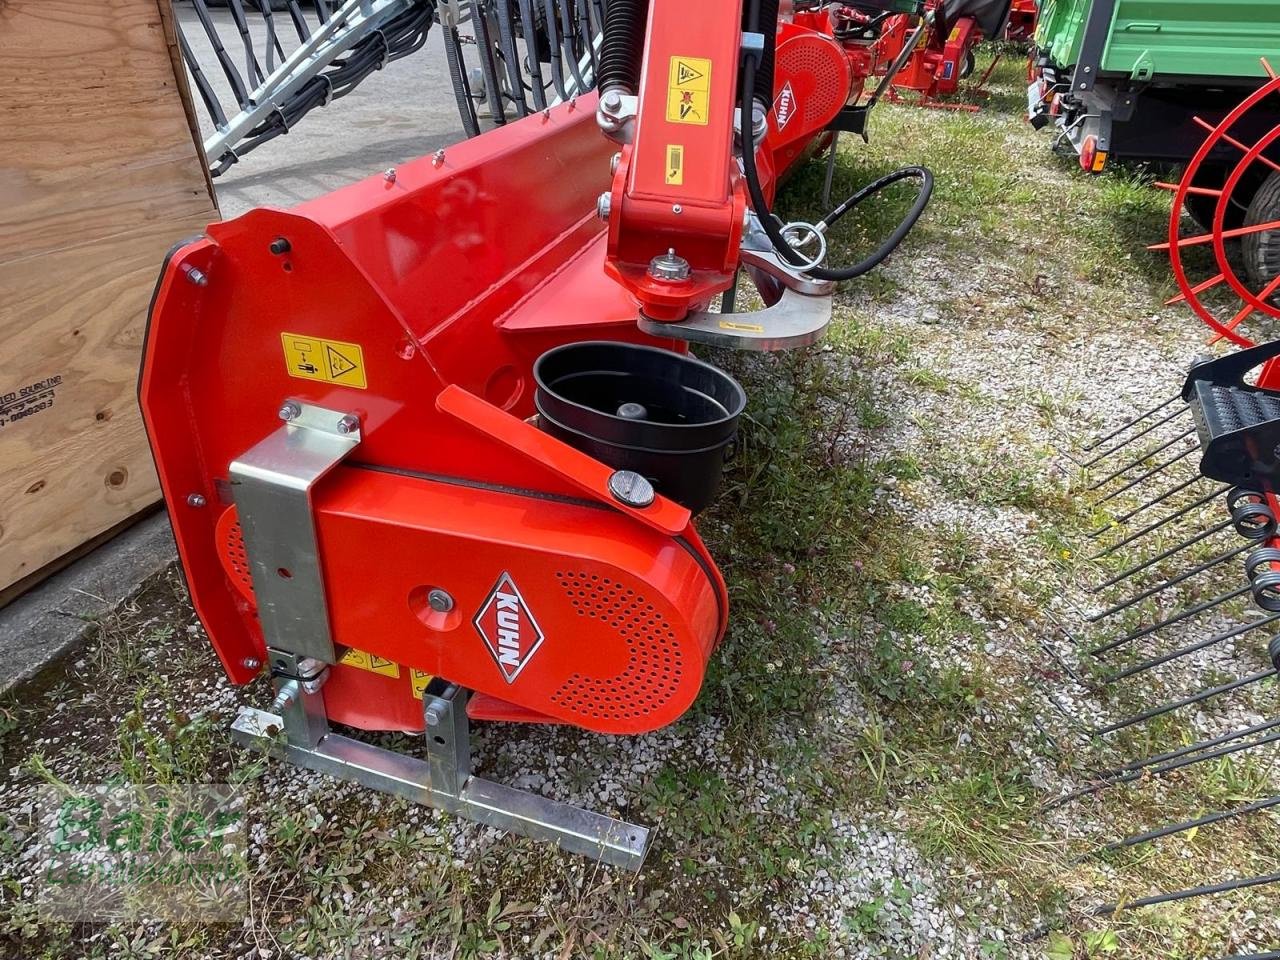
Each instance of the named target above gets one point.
<point>1171,582</point>
<point>1185,825</point>
<point>1136,436</point>
<point>566,36</point>
<point>1159,523</point>
<point>1150,473</point>
<point>251,65</point>
<point>531,54</point>
<point>1225,887</point>
<point>1159,498</point>
<point>1132,423</point>
<point>203,87</point>
<point>299,22</point>
<point>507,38</point>
<point>1191,648</point>
<point>553,43</point>
<point>1150,453</point>
<point>228,66</point>
<point>1168,621</point>
<point>1129,776</point>
<point>488,65</point>
<point>1163,556</point>
<point>1195,747</point>
<point>1199,697</point>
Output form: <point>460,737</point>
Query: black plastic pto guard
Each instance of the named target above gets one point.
<point>1238,424</point>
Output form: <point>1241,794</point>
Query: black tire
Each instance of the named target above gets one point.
<point>1202,208</point>
<point>967,68</point>
<point>1261,251</point>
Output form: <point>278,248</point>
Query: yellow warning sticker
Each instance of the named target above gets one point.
<point>747,327</point>
<point>370,662</point>
<point>333,361</point>
<point>675,164</point>
<point>418,682</point>
<point>689,91</point>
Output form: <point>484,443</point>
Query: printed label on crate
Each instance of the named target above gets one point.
<point>17,405</point>
<point>370,662</point>
<point>332,361</point>
<point>689,90</point>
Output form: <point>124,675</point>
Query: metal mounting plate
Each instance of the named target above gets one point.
<point>272,483</point>
<point>796,320</point>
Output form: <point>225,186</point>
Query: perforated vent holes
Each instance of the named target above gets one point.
<point>655,664</point>
<point>235,561</point>
<point>819,59</point>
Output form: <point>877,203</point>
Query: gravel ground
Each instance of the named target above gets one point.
<point>868,771</point>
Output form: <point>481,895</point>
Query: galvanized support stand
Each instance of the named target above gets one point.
<point>274,481</point>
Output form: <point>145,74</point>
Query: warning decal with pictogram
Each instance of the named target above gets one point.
<point>689,90</point>
<point>332,361</point>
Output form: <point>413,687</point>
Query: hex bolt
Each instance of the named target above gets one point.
<point>439,601</point>
<point>195,500</point>
<point>614,161</point>
<point>604,205</point>
<point>251,663</point>
<point>631,488</point>
<point>389,175</point>
<point>195,276</point>
<point>677,209</point>
<point>290,411</point>
<point>348,424</point>
<point>433,716</point>
<point>280,246</point>
<point>290,690</point>
<point>611,102</point>
<point>437,158</point>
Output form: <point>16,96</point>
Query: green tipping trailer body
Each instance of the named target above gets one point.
<point>1124,79</point>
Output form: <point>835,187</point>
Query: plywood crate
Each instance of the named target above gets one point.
<point>100,175</point>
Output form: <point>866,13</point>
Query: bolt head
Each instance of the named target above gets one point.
<point>439,601</point>
<point>195,500</point>
<point>348,424</point>
<point>389,175</point>
<point>614,161</point>
<point>280,246</point>
<point>611,102</point>
<point>604,205</point>
<point>251,663</point>
<point>433,717</point>
<point>631,488</point>
<point>290,411</point>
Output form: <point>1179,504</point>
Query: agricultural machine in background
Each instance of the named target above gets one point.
<point>433,444</point>
<point>936,66</point>
<point>1127,79</point>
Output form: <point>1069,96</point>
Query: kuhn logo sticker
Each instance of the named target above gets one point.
<point>785,108</point>
<point>508,628</point>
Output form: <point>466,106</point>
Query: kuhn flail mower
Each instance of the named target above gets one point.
<point>433,444</point>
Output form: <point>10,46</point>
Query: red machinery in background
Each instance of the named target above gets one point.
<point>433,443</point>
<point>935,67</point>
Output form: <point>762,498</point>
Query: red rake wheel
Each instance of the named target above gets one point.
<point>1254,162</point>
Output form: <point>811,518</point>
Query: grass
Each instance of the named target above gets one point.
<point>883,667</point>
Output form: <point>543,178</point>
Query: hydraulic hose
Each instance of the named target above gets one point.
<point>622,44</point>
<point>769,222</point>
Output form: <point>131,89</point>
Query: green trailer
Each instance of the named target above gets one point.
<point>1125,79</point>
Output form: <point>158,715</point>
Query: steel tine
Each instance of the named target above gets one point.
<point>299,22</point>
<point>488,66</point>
<point>229,70</point>
<point>1164,658</point>
<point>1149,453</point>
<point>1169,621</point>
<point>1137,436</point>
<point>458,70</point>
<point>507,37</point>
<point>1156,525</point>
<point>1171,829</point>
<point>553,43</point>
<point>1218,528</point>
<point>1129,776</point>
<point>1171,582</point>
<point>1225,887</point>
<point>273,42</point>
<point>1195,747</point>
<point>1159,498</point>
<point>252,68</point>
<point>1199,697</point>
<point>203,86</point>
<point>1150,473</point>
<point>1132,423</point>
<point>529,22</point>
<point>567,32</point>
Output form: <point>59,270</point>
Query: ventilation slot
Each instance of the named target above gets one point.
<point>655,664</point>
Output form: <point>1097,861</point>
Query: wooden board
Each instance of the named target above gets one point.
<point>100,175</point>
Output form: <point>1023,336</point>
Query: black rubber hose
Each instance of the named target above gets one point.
<point>770,223</point>
<point>622,44</point>
<point>768,20</point>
